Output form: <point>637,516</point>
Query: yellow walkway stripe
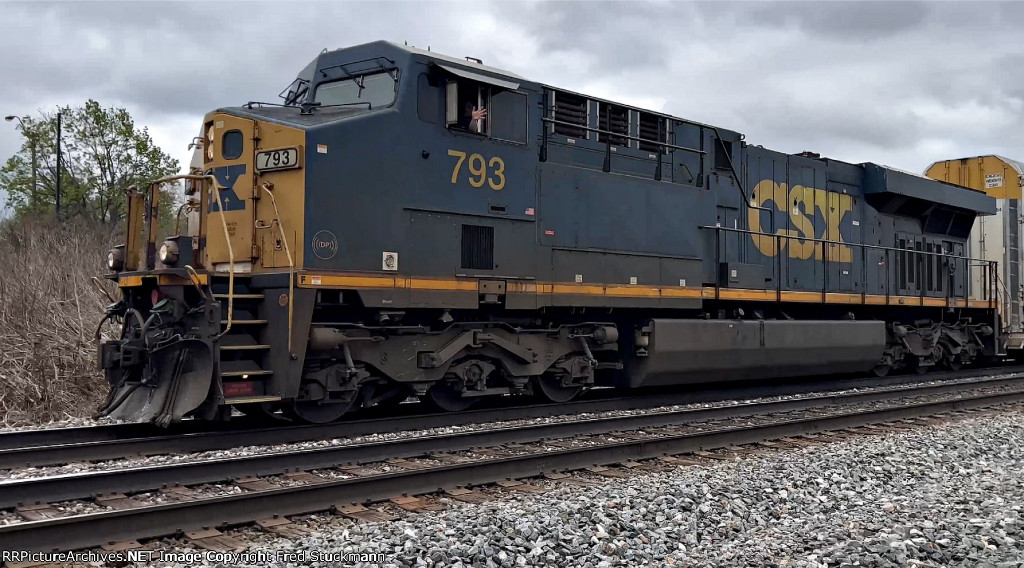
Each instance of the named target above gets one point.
<point>630,291</point>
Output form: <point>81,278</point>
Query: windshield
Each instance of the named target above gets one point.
<point>377,89</point>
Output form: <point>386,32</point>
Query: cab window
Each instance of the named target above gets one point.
<point>468,103</point>
<point>486,110</point>
<point>508,116</point>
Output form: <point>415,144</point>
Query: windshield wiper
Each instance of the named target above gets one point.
<point>294,91</point>
<point>307,108</point>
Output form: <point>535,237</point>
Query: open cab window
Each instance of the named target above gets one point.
<point>487,110</point>
<point>467,106</point>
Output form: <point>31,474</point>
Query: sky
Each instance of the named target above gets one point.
<point>903,84</point>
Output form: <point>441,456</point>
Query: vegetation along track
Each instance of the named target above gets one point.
<point>424,464</point>
<point>36,448</point>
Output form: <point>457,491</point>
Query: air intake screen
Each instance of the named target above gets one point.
<point>477,247</point>
<point>613,119</point>
<point>571,109</point>
<point>650,129</point>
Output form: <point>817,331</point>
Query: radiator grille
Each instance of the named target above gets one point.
<point>613,119</point>
<point>650,129</point>
<point>477,247</point>
<point>572,109</point>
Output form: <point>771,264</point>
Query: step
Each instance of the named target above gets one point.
<point>239,296</point>
<point>242,369</point>
<point>244,347</point>
<point>246,373</point>
<point>244,322</point>
<point>251,399</point>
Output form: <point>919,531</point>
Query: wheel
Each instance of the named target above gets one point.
<point>952,361</point>
<point>550,388</point>
<point>316,412</point>
<point>446,398</point>
<point>881,370</point>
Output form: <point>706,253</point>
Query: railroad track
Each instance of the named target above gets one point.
<point>425,464</point>
<point>47,447</point>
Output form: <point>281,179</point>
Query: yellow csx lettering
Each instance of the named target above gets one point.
<point>799,203</point>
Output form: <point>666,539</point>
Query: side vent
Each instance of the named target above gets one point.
<point>477,247</point>
<point>613,119</point>
<point>571,109</point>
<point>651,128</point>
<point>722,158</point>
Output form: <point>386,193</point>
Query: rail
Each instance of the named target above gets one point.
<point>778,242</point>
<point>93,529</point>
<point>137,479</point>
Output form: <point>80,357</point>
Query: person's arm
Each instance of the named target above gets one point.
<point>479,114</point>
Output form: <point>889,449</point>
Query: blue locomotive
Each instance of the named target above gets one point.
<point>412,224</point>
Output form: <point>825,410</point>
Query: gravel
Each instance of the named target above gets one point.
<point>136,462</point>
<point>942,495</point>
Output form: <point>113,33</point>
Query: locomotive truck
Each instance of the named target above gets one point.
<point>412,224</point>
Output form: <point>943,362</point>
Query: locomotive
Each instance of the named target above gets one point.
<point>408,224</point>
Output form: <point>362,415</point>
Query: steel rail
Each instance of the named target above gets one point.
<point>35,448</point>
<point>83,531</point>
<point>133,480</point>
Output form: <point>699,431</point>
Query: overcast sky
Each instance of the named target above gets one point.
<point>903,84</point>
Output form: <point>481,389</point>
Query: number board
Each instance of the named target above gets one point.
<point>280,159</point>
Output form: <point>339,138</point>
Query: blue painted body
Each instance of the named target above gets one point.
<point>384,184</point>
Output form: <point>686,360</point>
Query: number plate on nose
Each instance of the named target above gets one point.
<point>281,159</point>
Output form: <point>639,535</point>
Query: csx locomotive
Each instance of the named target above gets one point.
<point>412,224</point>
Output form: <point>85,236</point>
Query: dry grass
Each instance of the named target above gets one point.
<point>49,310</point>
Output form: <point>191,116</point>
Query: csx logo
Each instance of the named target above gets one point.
<point>801,203</point>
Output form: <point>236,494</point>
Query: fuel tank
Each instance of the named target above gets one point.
<point>706,351</point>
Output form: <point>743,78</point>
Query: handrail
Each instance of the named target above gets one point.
<point>214,188</point>
<point>626,136</point>
<point>739,184</point>
<point>990,295</point>
<point>291,263</point>
<point>661,144</point>
<point>826,241</point>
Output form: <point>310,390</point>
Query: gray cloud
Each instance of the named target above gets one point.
<point>844,21</point>
<point>899,83</point>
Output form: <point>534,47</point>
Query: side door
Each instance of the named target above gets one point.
<point>230,154</point>
<point>280,209</point>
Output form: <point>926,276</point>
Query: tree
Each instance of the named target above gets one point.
<point>104,154</point>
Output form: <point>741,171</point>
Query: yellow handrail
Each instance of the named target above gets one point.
<point>214,186</point>
<point>291,263</point>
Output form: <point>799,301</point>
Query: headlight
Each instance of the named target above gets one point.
<point>115,259</point>
<point>169,252</point>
